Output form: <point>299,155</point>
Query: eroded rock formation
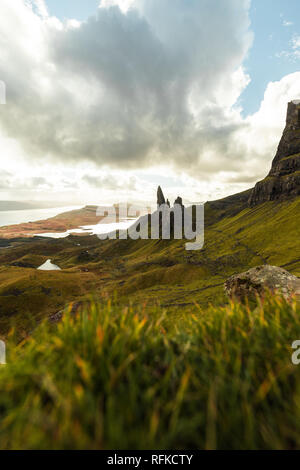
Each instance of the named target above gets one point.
<point>178,201</point>
<point>283,181</point>
<point>160,197</point>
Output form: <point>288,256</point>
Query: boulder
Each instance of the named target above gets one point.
<point>264,278</point>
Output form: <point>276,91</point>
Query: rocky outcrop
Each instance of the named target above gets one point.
<point>178,201</point>
<point>264,278</point>
<point>160,197</point>
<point>275,188</point>
<point>283,181</point>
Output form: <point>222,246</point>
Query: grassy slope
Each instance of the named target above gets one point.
<point>165,271</point>
<point>128,377</point>
<point>152,271</point>
<point>116,378</point>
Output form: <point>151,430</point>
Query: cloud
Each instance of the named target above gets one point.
<point>16,182</point>
<point>111,182</point>
<point>259,139</point>
<point>293,53</point>
<point>40,7</point>
<point>124,5</point>
<point>296,46</point>
<point>5,178</point>
<point>287,23</point>
<point>128,88</point>
<point>143,84</point>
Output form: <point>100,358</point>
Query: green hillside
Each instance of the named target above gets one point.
<point>158,272</point>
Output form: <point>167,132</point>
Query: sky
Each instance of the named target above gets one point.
<point>275,23</point>
<point>106,100</point>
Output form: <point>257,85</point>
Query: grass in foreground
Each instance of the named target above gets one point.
<point>120,379</point>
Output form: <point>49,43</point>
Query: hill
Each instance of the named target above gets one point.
<point>153,271</point>
<point>149,352</point>
<point>239,234</point>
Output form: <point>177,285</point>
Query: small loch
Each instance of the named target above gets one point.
<point>48,266</point>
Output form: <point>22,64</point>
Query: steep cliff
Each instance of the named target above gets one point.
<point>283,181</point>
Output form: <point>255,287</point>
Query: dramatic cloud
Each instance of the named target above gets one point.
<point>143,84</point>
<point>129,87</point>
<point>260,138</point>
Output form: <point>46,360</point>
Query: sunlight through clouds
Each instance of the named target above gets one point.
<point>133,89</point>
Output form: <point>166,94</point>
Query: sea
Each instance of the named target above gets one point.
<point>32,215</point>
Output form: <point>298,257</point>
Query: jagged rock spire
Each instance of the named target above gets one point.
<point>160,197</point>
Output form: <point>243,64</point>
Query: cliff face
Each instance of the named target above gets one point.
<point>283,181</point>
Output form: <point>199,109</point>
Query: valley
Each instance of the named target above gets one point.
<point>155,272</point>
